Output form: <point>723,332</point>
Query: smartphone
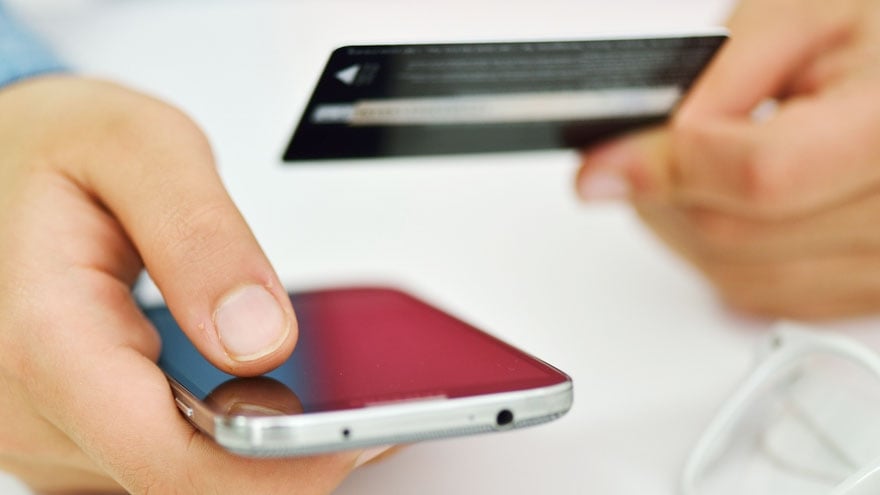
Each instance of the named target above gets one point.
<point>372,366</point>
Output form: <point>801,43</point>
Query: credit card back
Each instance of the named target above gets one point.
<point>399,100</point>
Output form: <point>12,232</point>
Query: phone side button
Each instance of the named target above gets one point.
<point>185,409</point>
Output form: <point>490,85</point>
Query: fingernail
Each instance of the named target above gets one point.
<point>605,169</point>
<point>602,184</point>
<point>250,323</point>
<point>370,454</point>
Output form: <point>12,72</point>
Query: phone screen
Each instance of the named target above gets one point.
<point>361,347</point>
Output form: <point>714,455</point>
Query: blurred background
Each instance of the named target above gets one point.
<point>498,239</point>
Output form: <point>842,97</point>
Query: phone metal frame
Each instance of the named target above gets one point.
<point>395,423</point>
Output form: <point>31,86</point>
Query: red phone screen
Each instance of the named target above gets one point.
<point>365,346</point>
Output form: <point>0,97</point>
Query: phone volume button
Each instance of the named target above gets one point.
<point>185,409</point>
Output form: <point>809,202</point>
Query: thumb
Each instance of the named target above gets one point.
<point>159,180</point>
<point>758,63</point>
<point>770,44</point>
<point>635,165</point>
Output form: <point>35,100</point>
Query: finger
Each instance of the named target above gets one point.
<point>790,165</point>
<point>810,285</point>
<point>117,406</point>
<point>831,286</point>
<point>756,64</point>
<point>54,478</point>
<point>378,455</point>
<point>721,237</point>
<point>795,163</point>
<point>637,165</point>
<point>158,178</point>
<point>762,56</point>
<point>763,60</point>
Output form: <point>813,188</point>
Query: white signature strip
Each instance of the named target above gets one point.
<point>503,108</point>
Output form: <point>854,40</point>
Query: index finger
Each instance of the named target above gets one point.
<point>154,170</point>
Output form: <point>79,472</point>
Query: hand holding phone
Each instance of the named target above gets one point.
<point>372,366</point>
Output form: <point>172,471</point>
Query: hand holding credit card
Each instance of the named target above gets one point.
<point>399,100</point>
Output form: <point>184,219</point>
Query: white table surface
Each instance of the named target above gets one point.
<point>498,239</point>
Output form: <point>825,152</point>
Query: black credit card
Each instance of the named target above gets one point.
<point>399,100</point>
